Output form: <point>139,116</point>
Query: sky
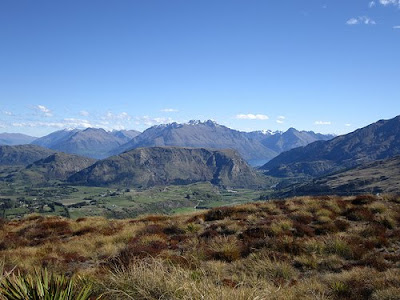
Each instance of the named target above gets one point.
<point>330,66</point>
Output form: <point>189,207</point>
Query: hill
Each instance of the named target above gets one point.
<point>13,139</point>
<point>22,155</point>
<point>91,142</point>
<point>58,166</point>
<point>379,140</point>
<point>145,167</point>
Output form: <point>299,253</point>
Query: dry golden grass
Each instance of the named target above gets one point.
<point>301,248</point>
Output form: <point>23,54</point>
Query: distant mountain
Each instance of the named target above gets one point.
<point>145,167</point>
<point>256,147</point>
<point>125,134</point>
<point>379,140</point>
<point>260,135</point>
<point>22,155</point>
<point>292,138</point>
<point>200,135</point>
<point>91,142</point>
<point>13,139</point>
<point>58,166</point>
<point>382,176</point>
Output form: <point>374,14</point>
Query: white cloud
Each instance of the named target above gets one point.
<point>43,109</point>
<point>361,20</point>
<point>322,123</point>
<point>390,2</point>
<point>396,27</point>
<point>65,123</point>
<point>78,123</point>
<point>8,113</point>
<point>124,116</point>
<point>169,110</point>
<point>149,121</point>
<point>84,113</point>
<point>371,4</point>
<point>252,117</point>
<point>347,125</point>
<point>280,119</point>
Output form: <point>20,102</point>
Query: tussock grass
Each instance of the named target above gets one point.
<point>301,248</point>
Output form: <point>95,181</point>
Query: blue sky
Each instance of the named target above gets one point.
<point>325,65</point>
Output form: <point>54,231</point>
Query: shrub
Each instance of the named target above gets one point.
<point>42,285</point>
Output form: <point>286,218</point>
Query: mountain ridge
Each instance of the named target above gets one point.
<point>376,141</point>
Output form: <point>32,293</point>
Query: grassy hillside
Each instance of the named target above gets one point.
<point>301,248</point>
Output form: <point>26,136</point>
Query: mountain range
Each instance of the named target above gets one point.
<point>145,167</point>
<point>90,142</point>
<point>255,147</point>
<point>377,141</point>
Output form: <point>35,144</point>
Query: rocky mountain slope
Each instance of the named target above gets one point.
<point>13,139</point>
<point>91,142</point>
<point>379,140</point>
<point>145,167</point>
<point>22,155</point>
